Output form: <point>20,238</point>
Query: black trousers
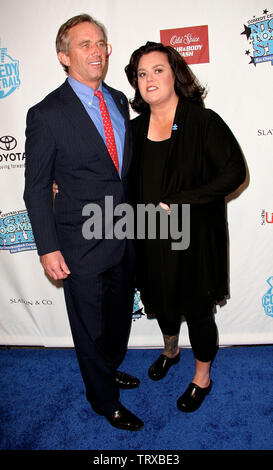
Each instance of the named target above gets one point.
<point>100,308</point>
<point>202,328</point>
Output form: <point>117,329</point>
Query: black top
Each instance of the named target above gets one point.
<point>159,287</point>
<point>203,165</point>
<point>154,158</point>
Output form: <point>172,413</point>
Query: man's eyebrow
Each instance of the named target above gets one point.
<point>84,41</point>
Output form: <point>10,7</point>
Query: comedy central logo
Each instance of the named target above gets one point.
<point>9,73</point>
<point>259,33</point>
<point>267,299</point>
<point>137,306</point>
<point>16,232</point>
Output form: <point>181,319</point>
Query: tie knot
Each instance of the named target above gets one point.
<point>99,94</point>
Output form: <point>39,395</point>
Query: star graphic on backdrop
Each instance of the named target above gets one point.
<point>252,61</point>
<point>247,31</point>
<point>247,52</point>
<point>265,11</point>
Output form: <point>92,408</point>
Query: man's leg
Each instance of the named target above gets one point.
<point>100,313</point>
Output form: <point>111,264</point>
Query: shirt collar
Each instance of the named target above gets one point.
<point>84,92</point>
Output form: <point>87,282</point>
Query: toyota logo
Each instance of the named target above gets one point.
<point>7,142</point>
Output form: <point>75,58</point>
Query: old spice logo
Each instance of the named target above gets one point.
<point>192,43</point>
<point>187,39</point>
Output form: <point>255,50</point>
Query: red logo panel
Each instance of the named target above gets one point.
<point>192,43</point>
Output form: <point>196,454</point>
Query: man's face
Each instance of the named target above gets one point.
<point>87,54</point>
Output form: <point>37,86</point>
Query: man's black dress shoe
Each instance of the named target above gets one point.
<point>126,381</point>
<point>124,419</point>
<point>160,367</point>
<point>193,397</point>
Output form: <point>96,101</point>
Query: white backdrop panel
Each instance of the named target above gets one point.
<point>32,309</point>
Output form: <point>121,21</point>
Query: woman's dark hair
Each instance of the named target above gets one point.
<point>186,84</point>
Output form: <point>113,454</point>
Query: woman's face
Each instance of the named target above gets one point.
<point>155,78</point>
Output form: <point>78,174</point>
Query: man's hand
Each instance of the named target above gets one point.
<point>55,265</point>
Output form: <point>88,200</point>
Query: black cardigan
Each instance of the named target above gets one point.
<point>204,165</point>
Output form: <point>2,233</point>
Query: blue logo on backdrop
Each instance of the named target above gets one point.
<point>9,73</point>
<point>16,232</point>
<point>259,33</point>
<point>268,298</point>
<point>137,308</point>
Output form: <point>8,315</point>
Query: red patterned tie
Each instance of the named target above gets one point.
<point>108,129</point>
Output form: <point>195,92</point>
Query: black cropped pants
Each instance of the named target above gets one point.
<point>202,328</point>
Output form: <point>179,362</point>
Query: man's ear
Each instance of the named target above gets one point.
<point>64,59</point>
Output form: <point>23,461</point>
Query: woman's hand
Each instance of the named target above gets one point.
<point>55,188</point>
<point>165,207</point>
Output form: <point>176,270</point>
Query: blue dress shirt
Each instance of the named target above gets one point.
<point>91,104</point>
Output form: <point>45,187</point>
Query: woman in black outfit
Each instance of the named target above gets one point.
<point>183,154</point>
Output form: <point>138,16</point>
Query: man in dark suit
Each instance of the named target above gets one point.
<point>67,141</point>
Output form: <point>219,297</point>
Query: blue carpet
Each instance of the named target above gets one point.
<point>43,405</point>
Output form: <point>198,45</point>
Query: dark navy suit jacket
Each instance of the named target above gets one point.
<point>63,144</point>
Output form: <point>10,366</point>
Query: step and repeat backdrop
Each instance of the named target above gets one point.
<point>229,46</point>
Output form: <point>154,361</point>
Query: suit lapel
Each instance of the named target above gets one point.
<point>119,101</point>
